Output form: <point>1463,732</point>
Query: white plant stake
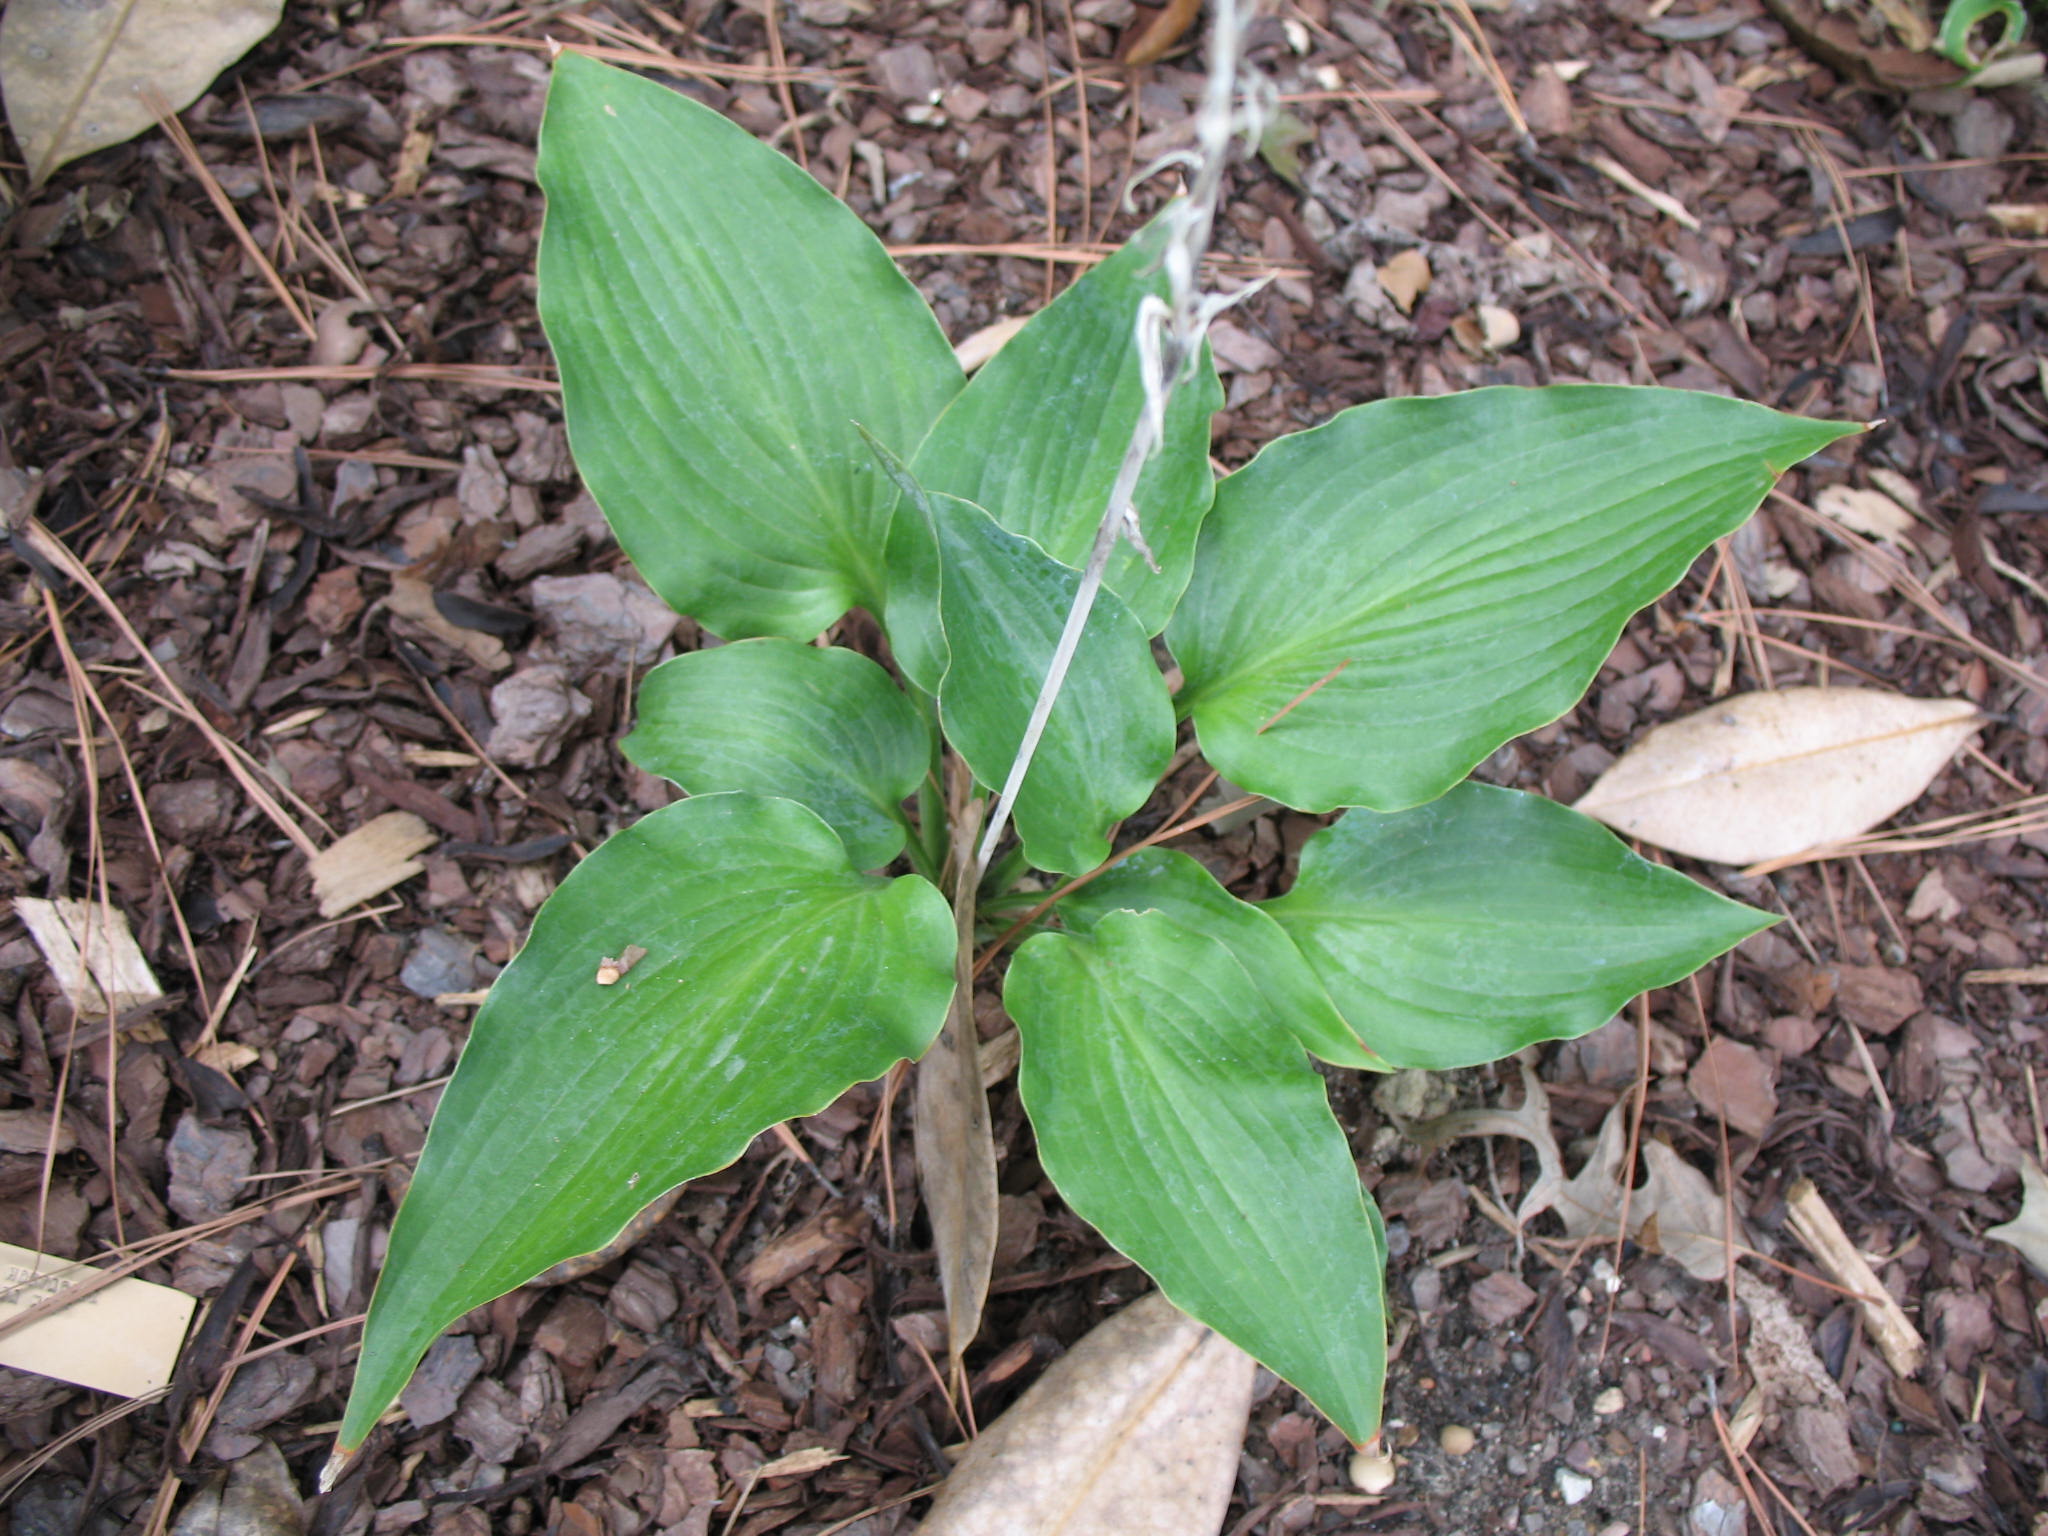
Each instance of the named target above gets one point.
<point>1236,103</point>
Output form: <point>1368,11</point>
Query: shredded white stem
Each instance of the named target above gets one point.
<point>1169,336</point>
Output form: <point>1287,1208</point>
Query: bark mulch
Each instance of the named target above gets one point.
<point>357,557</point>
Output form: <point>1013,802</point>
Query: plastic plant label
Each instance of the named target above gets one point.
<point>124,1338</point>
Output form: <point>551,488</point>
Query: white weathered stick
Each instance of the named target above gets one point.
<point>1169,338</point>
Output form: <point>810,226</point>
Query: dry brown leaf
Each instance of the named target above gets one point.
<point>956,1171</point>
<point>1676,1211</point>
<point>1135,1431</point>
<point>81,77</point>
<point>2028,1231</point>
<point>1769,775</point>
<point>956,1149</point>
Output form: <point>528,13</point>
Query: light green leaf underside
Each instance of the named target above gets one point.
<point>775,977</point>
<point>826,728</point>
<point>1165,880</point>
<point>1177,1114</point>
<point>1461,931</point>
<point>1467,561</point>
<point>1039,433</point>
<point>721,321</point>
<point>1002,604</point>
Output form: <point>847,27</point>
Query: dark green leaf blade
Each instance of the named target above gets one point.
<point>1039,433</point>
<point>1002,604</point>
<point>823,727</point>
<point>775,977</point>
<point>721,322</point>
<point>1176,1113</point>
<point>1463,930</point>
<point>1448,573</point>
<point>1166,880</point>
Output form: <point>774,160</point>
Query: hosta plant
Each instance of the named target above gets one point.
<point>779,433</point>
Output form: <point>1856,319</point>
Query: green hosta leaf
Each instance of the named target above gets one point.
<point>1461,931</point>
<point>1002,605</point>
<point>1466,561</point>
<point>1039,433</point>
<point>775,977</point>
<point>721,322</point>
<point>825,728</point>
<point>1176,1113</point>
<point>1164,880</point>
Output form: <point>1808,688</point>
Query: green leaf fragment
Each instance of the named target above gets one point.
<point>721,321</point>
<point>1380,602</point>
<point>1463,930</point>
<point>1177,1114</point>
<point>775,976</point>
<point>826,728</point>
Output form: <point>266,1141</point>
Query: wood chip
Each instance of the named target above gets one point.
<point>370,861</point>
<point>1626,179</point>
<point>91,953</point>
<point>2018,975</point>
<point>1815,1226</point>
<point>1406,278</point>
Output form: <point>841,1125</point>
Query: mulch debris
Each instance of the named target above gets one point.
<point>361,566</point>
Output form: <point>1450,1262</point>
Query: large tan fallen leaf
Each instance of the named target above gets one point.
<point>1135,1431</point>
<point>1769,775</point>
<point>81,76</point>
<point>2028,1231</point>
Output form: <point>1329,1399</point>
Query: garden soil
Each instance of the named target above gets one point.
<point>343,558</point>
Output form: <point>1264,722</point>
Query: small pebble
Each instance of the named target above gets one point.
<point>1372,1472</point>
<point>1456,1439</point>
<point>1573,1487</point>
<point>1613,1400</point>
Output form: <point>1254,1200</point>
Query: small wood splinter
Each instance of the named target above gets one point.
<point>612,967</point>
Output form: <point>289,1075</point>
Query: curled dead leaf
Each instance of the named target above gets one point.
<point>1135,1431</point>
<point>1771,775</point>
<point>1676,1211</point>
